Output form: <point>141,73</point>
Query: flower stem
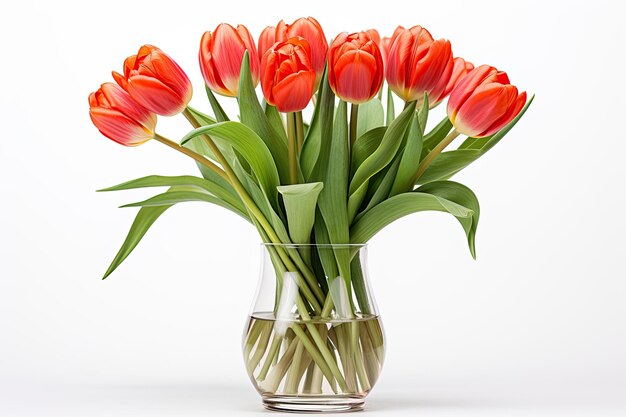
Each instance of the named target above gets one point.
<point>434,153</point>
<point>292,147</point>
<point>354,116</point>
<point>299,131</point>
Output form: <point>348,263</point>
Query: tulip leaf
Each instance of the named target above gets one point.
<point>436,135</point>
<point>324,121</point>
<point>383,188</point>
<point>220,114</point>
<point>385,152</point>
<point>253,116</point>
<point>332,199</point>
<point>275,119</point>
<point>300,204</point>
<point>404,204</point>
<point>364,146</point>
<point>407,169</point>
<point>220,189</point>
<point>371,115</point>
<point>185,194</point>
<point>144,219</point>
<point>312,140</point>
<point>462,195</point>
<point>250,146</point>
<point>203,119</point>
<point>447,164</point>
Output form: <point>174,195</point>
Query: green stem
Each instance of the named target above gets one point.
<point>434,153</point>
<point>292,147</point>
<point>299,131</point>
<point>354,116</point>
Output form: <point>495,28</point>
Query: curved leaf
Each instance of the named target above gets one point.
<point>399,206</point>
<point>364,146</point>
<point>185,194</point>
<point>371,115</point>
<point>250,146</point>
<point>253,116</point>
<point>221,190</point>
<point>404,179</point>
<point>385,152</point>
<point>144,219</point>
<point>462,195</point>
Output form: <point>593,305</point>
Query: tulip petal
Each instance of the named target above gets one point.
<point>294,92</point>
<point>154,95</point>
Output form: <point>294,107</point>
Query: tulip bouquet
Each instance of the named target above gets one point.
<point>337,179</point>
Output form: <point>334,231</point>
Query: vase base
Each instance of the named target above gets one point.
<point>314,404</point>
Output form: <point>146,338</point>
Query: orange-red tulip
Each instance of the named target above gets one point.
<point>355,67</point>
<point>120,118</point>
<point>385,43</point>
<point>155,81</point>
<point>374,35</point>
<point>307,28</point>
<point>287,75</point>
<point>418,64</point>
<point>483,102</point>
<point>459,70</point>
<point>221,53</point>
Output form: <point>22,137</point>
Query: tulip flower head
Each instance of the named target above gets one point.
<point>287,75</point>
<point>483,102</point>
<point>460,68</point>
<point>304,27</point>
<point>355,67</point>
<point>221,53</point>
<point>118,117</point>
<point>155,81</point>
<point>417,64</point>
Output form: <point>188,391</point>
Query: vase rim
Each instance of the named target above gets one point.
<point>315,245</point>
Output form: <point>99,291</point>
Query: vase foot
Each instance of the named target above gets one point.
<point>314,404</point>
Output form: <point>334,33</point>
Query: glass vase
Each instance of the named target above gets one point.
<point>314,341</point>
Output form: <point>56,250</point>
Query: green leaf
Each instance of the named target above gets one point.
<point>462,195</point>
<point>422,114</point>
<point>220,114</point>
<point>405,177</point>
<point>251,147</point>
<point>399,206</point>
<point>203,119</point>
<point>371,115</point>
<point>446,164</point>
<point>435,136</point>
<point>383,188</point>
<point>312,140</point>
<point>391,113</point>
<point>384,154</point>
<point>332,200</point>
<point>144,219</point>
<point>364,146</point>
<point>326,108</point>
<point>275,120</point>
<point>253,116</point>
<point>185,194</point>
<point>220,188</point>
<point>300,203</point>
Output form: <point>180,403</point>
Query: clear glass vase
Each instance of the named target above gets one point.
<point>314,341</point>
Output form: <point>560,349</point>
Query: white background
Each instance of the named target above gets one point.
<point>535,326</point>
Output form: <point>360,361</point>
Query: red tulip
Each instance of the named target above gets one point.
<point>287,75</point>
<point>266,40</point>
<point>418,64</point>
<point>483,102</point>
<point>155,81</point>
<point>355,67</point>
<point>459,70</point>
<point>221,53</point>
<point>385,43</point>
<point>118,117</point>
<point>307,28</point>
<point>374,35</point>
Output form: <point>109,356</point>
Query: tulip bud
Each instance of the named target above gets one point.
<point>221,53</point>
<point>118,117</point>
<point>155,81</point>
<point>355,67</point>
<point>483,102</point>
<point>287,75</point>
<point>418,64</point>
<point>460,68</point>
<point>307,28</point>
